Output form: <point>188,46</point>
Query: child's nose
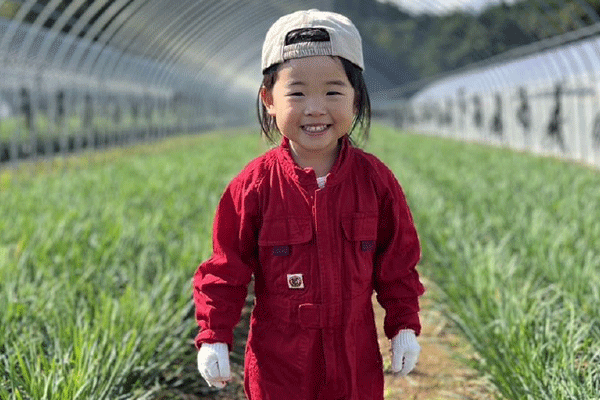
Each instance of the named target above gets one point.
<point>315,106</point>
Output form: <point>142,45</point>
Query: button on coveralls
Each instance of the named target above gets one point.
<point>316,256</point>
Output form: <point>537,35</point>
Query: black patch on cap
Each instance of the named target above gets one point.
<point>307,35</point>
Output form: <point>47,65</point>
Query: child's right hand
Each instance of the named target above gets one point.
<point>213,364</point>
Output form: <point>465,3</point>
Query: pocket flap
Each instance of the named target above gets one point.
<point>360,226</point>
<point>285,230</point>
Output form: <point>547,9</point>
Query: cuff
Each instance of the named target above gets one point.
<point>214,336</point>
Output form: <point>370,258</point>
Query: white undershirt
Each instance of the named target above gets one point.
<point>321,181</point>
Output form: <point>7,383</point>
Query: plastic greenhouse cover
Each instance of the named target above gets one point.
<point>575,59</point>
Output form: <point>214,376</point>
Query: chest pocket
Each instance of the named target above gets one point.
<point>360,234</point>
<point>286,252</point>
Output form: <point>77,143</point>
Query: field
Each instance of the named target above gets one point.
<point>97,254</point>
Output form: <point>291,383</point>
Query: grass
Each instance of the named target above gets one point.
<point>97,253</point>
<point>512,240</point>
<point>95,267</point>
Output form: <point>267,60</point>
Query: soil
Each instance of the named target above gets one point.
<point>442,373</point>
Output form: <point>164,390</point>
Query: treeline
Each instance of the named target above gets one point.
<point>425,45</point>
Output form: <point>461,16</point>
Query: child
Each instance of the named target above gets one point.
<point>320,224</point>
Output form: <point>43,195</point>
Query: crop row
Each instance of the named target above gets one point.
<point>95,268</point>
<point>512,240</point>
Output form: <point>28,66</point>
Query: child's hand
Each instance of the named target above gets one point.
<point>405,351</point>
<point>213,364</point>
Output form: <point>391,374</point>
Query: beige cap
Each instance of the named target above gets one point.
<point>344,40</point>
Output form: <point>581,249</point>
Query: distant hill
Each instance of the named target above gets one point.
<point>402,48</point>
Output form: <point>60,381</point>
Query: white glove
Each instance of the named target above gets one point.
<point>405,351</point>
<point>213,364</point>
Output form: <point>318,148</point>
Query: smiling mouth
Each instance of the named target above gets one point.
<point>315,129</point>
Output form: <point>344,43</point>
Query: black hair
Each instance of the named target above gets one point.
<point>362,120</point>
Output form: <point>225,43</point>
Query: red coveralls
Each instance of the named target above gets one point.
<point>316,255</point>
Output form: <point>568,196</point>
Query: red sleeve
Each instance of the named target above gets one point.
<point>398,252</point>
<point>221,282</point>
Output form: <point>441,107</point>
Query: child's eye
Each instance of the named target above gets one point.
<point>295,94</point>
<point>333,93</point>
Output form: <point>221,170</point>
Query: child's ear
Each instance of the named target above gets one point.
<point>267,99</point>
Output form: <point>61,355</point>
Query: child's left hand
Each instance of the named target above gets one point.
<point>405,351</point>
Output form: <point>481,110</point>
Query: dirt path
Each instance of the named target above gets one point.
<point>441,373</point>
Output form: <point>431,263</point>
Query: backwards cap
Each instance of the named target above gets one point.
<point>344,39</point>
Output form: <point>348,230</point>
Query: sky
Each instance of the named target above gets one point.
<point>444,6</point>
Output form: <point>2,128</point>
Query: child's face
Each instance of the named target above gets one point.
<point>313,104</point>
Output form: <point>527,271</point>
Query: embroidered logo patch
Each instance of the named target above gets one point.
<point>295,281</point>
<point>367,245</point>
<point>281,251</point>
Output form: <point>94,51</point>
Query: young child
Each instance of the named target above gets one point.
<point>320,225</point>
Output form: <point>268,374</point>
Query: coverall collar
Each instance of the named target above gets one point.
<point>307,176</point>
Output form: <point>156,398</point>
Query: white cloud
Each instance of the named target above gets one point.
<point>445,6</point>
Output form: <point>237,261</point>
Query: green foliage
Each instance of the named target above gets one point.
<point>95,268</point>
<point>436,44</point>
<point>8,9</point>
<point>512,241</point>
